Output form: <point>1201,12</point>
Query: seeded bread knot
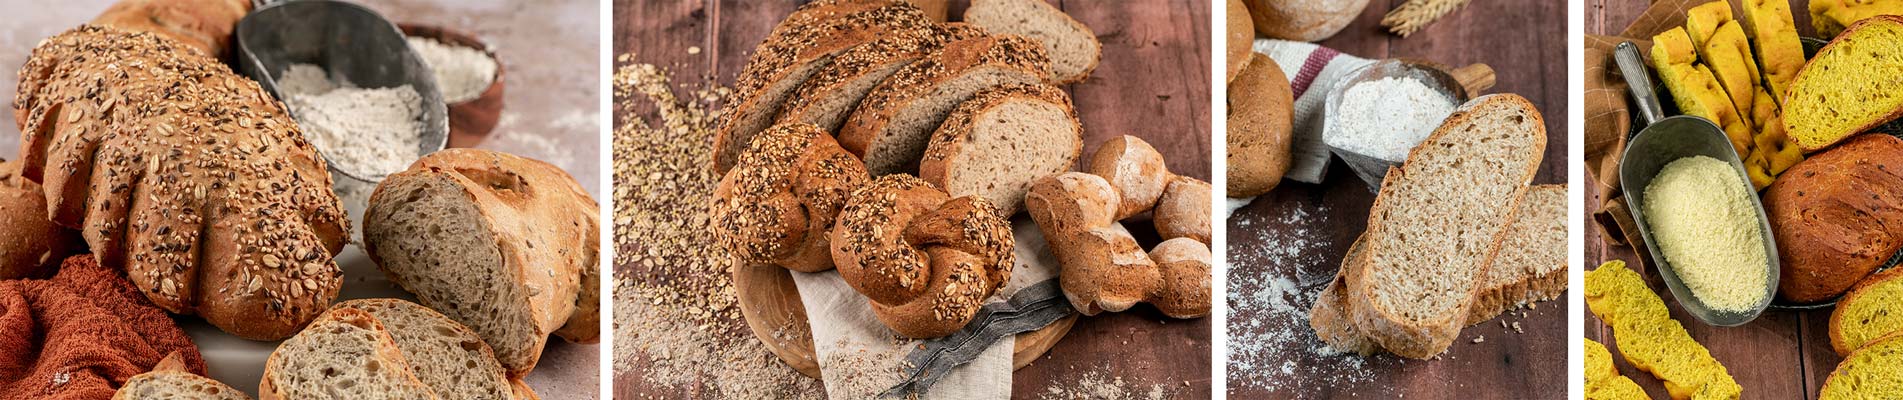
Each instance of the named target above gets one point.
<point>780,200</point>
<point>928,262</point>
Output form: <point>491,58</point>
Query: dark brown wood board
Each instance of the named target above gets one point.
<point>1153,82</point>
<point>1300,231</point>
<point>1781,355</point>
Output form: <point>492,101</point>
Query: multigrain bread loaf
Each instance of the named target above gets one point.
<point>778,204</point>
<point>1183,210</point>
<point>1261,106</point>
<point>502,244</point>
<point>1831,216</point>
<point>30,245</point>
<point>1073,48</point>
<point>995,144</point>
<point>172,380</point>
<point>1869,373</point>
<point>1303,20</point>
<point>894,122</point>
<point>1531,265</point>
<point>1135,169</point>
<point>345,354</point>
<point>800,46</point>
<point>1853,84</point>
<point>831,94</point>
<point>1101,266</point>
<point>1603,381</point>
<point>444,355</point>
<point>1872,310</point>
<point>202,25</point>
<point>185,174</point>
<point>1437,224</point>
<point>1650,339</point>
<point>1241,39</point>
<point>926,260</point>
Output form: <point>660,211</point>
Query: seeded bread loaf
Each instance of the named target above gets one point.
<point>893,124</point>
<point>1650,339</point>
<point>202,25</point>
<point>1872,310</point>
<point>1261,106</point>
<point>1603,381</point>
<point>1830,216</point>
<point>30,245</point>
<point>1241,39</point>
<point>826,99</point>
<point>444,355</point>
<point>345,354</point>
<point>1531,265</point>
<point>497,242</point>
<point>171,380</point>
<point>801,45</point>
<point>1073,48</point>
<point>778,204</point>
<point>1135,169</point>
<point>995,144</point>
<point>1183,210</point>
<point>190,177</point>
<point>926,260</point>
<point>1412,297</point>
<point>1852,85</point>
<point>1869,373</point>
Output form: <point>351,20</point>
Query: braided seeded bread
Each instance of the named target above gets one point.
<point>778,204</point>
<point>926,260</point>
<point>831,94</point>
<point>995,144</point>
<point>502,244</point>
<point>801,45</point>
<point>172,380</point>
<point>30,244</point>
<point>345,354</point>
<point>894,122</point>
<point>1102,267</point>
<point>189,176</point>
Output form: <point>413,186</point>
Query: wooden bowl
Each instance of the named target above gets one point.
<point>469,121</point>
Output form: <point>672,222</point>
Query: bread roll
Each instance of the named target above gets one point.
<point>1135,169</point>
<point>29,243</point>
<point>1303,20</point>
<point>1260,109</point>
<point>1241,38</point>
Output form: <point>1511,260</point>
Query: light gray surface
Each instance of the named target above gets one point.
<point>550,53</point>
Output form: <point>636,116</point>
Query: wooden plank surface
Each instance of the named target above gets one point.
<point>1781,355</point>
<point>1153,83</point>
<point>1300,231</point>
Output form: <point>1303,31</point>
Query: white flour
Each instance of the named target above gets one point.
<point>462,73</point>
<point>1275,274</point>
<point>1385,118</point>
<point>372,132</point>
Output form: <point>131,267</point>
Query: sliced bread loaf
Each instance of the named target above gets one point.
<point>1532,265</point>
<point>171,380</point>
<point>1603,381</point>
<point>831,94</point>
<point>995,144</point>
<point>344,354</point>
<point>1073,47</point>
<point>1852,85</point>
<point>802,44</point>
<point>1332,316</point>
<point>1872,372</point>
<point>1438,221</point>
<point>1650,339</point>
<point>894,122</point>
<point>1872,310</point>
<point>443,354</point>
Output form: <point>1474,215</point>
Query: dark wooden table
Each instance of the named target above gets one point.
<point>1525,43</point>
<point>1781,355</point>
<point>1153,83</point>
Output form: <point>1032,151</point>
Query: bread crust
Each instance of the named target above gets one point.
<point>1837,340</point>
<point>1183,291</point>
<point>202,25</point>
<point>1261,106</point>
<point>30,244</point>
<point>1135,168</point>
<point>1795,91</point>
<point>1010,54</point>
<point>927,261</point>
<point>779,203</point>
<point>1241,39</point>
<point>1183,210</point>
<point>900,48</point>
<point>1829,215</point>
<point>949,141</point>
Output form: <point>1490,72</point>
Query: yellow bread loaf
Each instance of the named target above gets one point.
<point>1831,17</point>
<point>1729,55</point>
<point>1774,35</point>
<point>1871,310</point>
<point>1772,151</point>
<point>1603,381</point>
<point>1650,339</point>
<point>1852,85</point>
<point>1694,88</point>
<point>1872,372</point>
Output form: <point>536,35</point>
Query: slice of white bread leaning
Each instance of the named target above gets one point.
<point>890,128</point>
<point>831,94</point>
<point>170,380</point>
<point>802,44</point>
<point>1074,49</point>
<point>1434,229</point>
<point>1001,140</point>
<point>1531,265</point>
<point>344,354</point>
<point>443,354</point>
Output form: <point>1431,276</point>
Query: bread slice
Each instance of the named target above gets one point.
<point>170,380</point>
<point>1333,317</point>
<point>802,44</point>
<point>831,94</point>
<point>443,354</point>
<point>1532,265</point>
<point>1872,372</point>
<point>995,144</point>
<point>1074,49</point>
<point>1603,381</point>
<point>344,354</point>
<point>1438,221</point>
<point>1650,339</point>
<point>1774,34</point>
<point>1873,309</point>
<point>1852,85</point>
<point>890,128</point>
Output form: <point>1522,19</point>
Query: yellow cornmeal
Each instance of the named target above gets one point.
<point>1707,228</point>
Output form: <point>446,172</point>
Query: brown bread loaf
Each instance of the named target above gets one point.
<point>30,245</point>
<point>926,260</point>
<point>995,144</point>
<point>204,25</point>
<point>893,124</point>
<point>1833,217</point>
<point>1261,106</point>
<point>778,204</point>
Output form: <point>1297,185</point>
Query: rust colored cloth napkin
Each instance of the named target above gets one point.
<point>81,334</point>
